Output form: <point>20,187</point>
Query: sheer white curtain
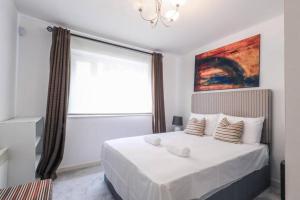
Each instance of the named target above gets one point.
<point>108,80</point>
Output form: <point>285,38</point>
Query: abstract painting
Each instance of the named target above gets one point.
<point>236,65</point>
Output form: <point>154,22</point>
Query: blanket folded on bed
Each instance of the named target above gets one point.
<point>152,139</point>
<point>179,151</point>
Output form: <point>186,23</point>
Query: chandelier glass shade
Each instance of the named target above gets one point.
<point>164,11</point>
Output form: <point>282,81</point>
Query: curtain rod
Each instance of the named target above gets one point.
<point>49,28</point>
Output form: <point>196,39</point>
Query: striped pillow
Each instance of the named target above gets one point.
<point>229,132</point>
<point>195,127</point>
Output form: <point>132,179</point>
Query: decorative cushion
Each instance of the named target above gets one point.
<point>211,121</point>
<point>228,132</point>
<point>195,127</point>
<point>252,127</point>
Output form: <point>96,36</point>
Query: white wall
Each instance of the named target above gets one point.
<point>271,77</point>
<point>292,91</point>
<point>172,64</point>
<point>84,135</point>
<point>8,37</point>
<point>33,68</point>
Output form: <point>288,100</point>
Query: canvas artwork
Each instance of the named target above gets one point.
<point>236,65</point>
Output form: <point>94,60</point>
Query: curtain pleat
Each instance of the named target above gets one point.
<point>158,113</point>
<point>57,104</point>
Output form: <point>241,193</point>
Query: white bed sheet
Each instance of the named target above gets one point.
<point>141,171</point>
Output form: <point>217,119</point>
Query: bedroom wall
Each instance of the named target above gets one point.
<point>292,88</point>
<point>271,76</point>
<point>8,37</point>
<point>84,134</point>
<point>33,67</point>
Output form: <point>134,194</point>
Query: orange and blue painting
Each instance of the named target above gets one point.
<point>236,65</point>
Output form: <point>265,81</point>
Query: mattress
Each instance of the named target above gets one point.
<point>141,171</point>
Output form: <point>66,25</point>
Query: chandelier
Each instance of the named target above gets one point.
<point>164,11</point>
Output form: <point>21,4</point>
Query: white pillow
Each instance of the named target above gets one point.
<point>252,128</point>
<point>211,121</point>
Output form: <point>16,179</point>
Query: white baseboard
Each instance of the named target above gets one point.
<point>77,167</point>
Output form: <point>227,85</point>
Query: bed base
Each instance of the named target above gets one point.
<point>112,189</point>
<point>247,188</point>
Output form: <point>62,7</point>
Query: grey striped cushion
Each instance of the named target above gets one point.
<point>229,132</point>
<point>195,127</point>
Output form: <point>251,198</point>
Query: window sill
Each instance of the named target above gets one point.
<point>107,115</point>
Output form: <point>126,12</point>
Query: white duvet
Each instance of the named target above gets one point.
<point>141,171</point>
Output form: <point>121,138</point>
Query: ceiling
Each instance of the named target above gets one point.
<point>200,21</point>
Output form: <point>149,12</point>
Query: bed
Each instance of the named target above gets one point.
<point>135,170</point>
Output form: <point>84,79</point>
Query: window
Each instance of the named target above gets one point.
<point>108,80</point>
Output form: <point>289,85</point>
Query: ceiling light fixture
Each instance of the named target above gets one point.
<point>165,11</point>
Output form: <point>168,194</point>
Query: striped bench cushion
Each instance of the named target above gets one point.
<point>195,127</point>
<point>38,190</point>
<point>229,132</point>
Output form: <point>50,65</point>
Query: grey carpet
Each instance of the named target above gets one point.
<point>85,184</point>
<point>88,184</point>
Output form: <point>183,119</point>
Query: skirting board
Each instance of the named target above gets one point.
<point>77,167</point>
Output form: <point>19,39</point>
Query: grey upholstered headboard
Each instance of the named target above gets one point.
<point>246,103</point>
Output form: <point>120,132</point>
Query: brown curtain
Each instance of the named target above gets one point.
<point>158,113</point>
<point>57,104</point>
